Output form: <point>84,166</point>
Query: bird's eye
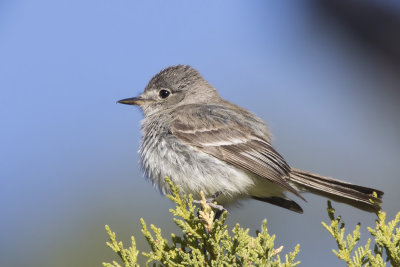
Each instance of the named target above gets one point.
<point>164,93</point>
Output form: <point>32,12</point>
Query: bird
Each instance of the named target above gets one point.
<point>206,143</point>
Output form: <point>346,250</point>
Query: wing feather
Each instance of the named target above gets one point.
<point>233,137</point>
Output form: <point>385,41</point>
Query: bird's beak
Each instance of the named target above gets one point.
<point>133,101</point>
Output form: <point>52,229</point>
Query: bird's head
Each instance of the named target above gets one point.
<point>172,87</point>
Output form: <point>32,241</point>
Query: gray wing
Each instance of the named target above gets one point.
<point>234,137</point>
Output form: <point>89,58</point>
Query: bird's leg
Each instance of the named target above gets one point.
<point>219,209</point>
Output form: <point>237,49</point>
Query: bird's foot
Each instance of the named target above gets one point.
<point>219,209</point>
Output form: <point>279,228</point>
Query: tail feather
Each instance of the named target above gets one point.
<point>282,202</point>
<point>355,195</point>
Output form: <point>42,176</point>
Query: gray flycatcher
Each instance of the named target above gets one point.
<point>203,142</point>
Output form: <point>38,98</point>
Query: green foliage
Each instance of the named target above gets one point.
<point>128,256</point>
<point>207,242</point>
<point>204,241</point>
<point>387,239</point>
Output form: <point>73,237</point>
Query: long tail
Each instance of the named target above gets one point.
<point>355,195</point>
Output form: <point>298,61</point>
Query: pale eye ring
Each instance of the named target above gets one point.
<point>163,93</point>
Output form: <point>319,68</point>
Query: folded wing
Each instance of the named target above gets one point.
<point>232,137</point>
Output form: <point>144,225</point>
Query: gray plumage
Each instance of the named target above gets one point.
<point>203,142</point>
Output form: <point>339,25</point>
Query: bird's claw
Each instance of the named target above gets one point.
<point>219,209</point>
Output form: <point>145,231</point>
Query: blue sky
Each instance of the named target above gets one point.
<point>69,160</point>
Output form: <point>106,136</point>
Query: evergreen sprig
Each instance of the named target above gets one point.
<point>207,242</point>
<point>128,256</point>
<point>386,237</point>
<point>204,241</point>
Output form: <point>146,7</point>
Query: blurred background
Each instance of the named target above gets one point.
<point>325,75</point>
